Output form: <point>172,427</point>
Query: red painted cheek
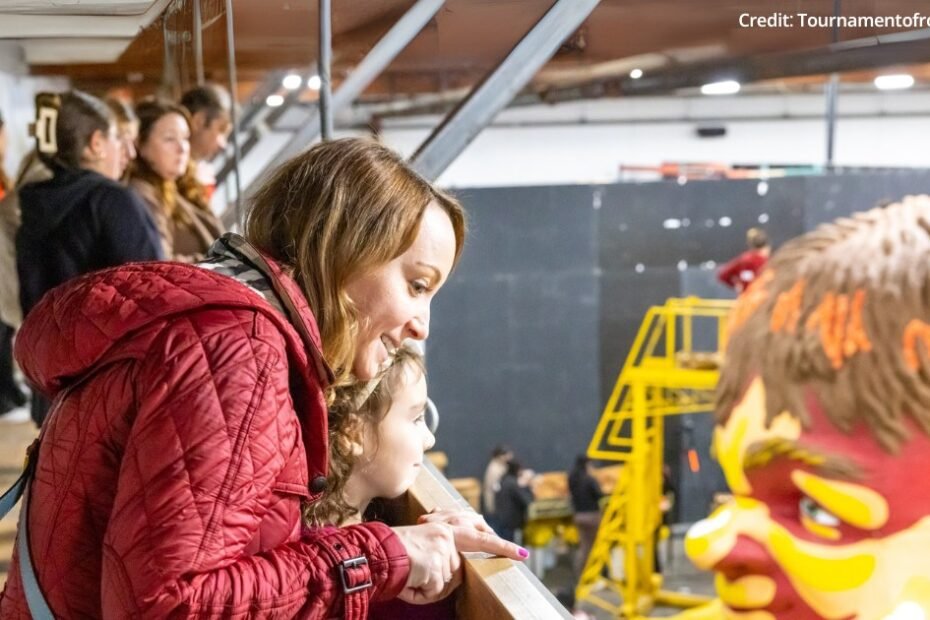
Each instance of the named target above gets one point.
<point>749,557</point>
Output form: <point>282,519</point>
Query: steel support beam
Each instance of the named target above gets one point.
<point>500,86</point>
<point>326,53</point>
<point>233,88</point>
<point>377,60</point>
<point>833,88</point>
<point>198,43</point>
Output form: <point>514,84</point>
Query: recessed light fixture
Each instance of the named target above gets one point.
<point>636,74</point>
<point>274,101</point>
<point>292,81</point>
<point>726,87</point>
<point>898,81</point>
<point>314,82</point>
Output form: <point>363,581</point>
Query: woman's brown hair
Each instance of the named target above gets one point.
<point>335,211</point>
<point>843,310</point>
<point>149,112</point>
<point>348,420</point>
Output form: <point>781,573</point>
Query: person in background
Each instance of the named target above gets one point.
<point>209,107</point>
<point>497,467</point>
<point>11,396</point>
<point>187,231</point>
<point>81,219</point>
<point>512,500</point>
<point>739,273</point>
<point>586,497</point>
<point>127,129</point>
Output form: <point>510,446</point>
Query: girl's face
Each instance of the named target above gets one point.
<point>392,451</point>
<point>167,148</point>
<point>105,154</point>
<point>393,300</point>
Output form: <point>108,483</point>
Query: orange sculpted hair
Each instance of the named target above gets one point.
<point>844,309</point>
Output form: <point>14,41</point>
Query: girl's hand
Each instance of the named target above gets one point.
<point>458,517</point>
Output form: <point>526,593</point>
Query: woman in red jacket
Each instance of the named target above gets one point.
<point>190,419</point>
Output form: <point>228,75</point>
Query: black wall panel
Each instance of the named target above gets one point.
<point>513,352</point>
<point>529,335</point>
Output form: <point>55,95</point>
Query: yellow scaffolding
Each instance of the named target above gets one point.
<point>664,374</point>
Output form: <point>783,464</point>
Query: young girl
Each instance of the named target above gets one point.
<point>376,451</point>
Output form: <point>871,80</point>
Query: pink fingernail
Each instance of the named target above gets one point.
<point>523,553</point>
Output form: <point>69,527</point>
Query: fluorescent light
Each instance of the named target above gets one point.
<point>274,100</point>
<point>314,82</point>
<point>292,81</point>
<point>636,74</point>
<point>898,81</point>
<point>726,87</point>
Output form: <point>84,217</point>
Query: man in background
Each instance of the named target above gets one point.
<point>209,107</point>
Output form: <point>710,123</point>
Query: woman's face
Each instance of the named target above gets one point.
<point>393,299</point>
<point>167,148</point>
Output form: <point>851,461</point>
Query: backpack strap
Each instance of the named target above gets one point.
<point>38,607</point>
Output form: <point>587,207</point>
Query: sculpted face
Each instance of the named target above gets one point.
<point>824,524</point>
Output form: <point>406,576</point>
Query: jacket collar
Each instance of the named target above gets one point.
<point>296,309</point>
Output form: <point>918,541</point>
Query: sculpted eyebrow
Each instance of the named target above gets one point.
<point>761,454</point>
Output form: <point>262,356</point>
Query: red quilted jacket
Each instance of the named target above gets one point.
<point>188,428</point>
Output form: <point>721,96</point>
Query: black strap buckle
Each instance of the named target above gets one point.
<point>359,562</point>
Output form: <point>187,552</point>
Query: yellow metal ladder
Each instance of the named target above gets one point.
<point>664,374</point>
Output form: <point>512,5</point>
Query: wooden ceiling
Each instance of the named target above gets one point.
<point>468,37</point>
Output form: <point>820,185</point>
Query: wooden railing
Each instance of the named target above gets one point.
<point>493,587</point>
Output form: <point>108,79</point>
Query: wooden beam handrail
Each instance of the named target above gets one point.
<point>493,588</point>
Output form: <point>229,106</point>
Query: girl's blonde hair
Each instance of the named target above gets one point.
<point>333,212</point>
<point>348,421</point>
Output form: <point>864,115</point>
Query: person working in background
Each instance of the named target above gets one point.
<point>739,273</point>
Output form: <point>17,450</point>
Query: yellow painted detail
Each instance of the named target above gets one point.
<point>857,505</point>
<point>818,529</point>
<point>745,428</point>
<point>747,592</point>
<point>820,572</point>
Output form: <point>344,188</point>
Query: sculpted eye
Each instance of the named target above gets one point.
<point>816,513</point>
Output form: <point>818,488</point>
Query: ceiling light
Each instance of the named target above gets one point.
<point>636,74</point>
<point>314,82</point>
<point>274,101</point>
<point>726,87</point>
<point>898,81</point>
<point>292,81</point>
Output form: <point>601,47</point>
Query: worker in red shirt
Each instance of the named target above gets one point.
<point>739,272</point>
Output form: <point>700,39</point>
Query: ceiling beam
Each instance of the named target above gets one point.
<point>500,86</point>
<point>901,48</point>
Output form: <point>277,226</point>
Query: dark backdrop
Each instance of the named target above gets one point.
<point>528,336</point>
